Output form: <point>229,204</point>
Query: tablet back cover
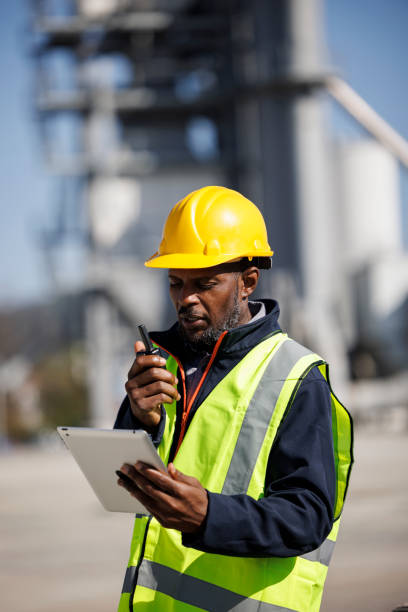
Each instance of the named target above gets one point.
<point>99,452</point>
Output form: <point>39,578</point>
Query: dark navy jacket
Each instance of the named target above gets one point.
<point>296,514</point>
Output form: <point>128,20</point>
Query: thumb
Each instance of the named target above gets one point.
<point>172,471</point>
<point>139,346</point>
<point>179,476</point>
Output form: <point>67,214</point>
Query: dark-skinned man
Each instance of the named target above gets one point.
<point>257,446</point>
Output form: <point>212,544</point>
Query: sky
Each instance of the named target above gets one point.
<point>368,47</point>
<point>24,185</point>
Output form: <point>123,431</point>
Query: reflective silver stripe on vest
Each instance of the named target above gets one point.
<point>323,554</point>
<point>129,581</point>
<point>258,416</point>
<point>196,592</point>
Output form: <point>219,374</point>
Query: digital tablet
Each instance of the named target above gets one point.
<point>100,452</point>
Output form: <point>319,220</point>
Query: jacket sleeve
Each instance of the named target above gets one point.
<point>296,514</point>
<point>126,420</point>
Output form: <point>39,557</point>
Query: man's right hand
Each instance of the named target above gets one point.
<point>148,386</point>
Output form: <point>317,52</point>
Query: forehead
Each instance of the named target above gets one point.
<point>199,273</point>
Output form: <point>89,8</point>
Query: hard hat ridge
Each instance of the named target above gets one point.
<point>210,226</point>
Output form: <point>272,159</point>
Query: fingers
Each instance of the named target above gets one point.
<point>180,477</point>
<point>142,362</point>
<point>155,374</point>
<point>148,386</point>
<point>151,482</point>
<point>171,482</point>
<point>149,396</point>
<point>172,471</point>
<point>139,346</point>
<point>175,504</point>
<point>140,390</point>
<point>159,479</point>
<point>136,492</point>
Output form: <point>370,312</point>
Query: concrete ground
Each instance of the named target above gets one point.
<point>61,552</point>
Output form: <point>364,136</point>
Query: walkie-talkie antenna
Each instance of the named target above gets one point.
<point>145,338</point>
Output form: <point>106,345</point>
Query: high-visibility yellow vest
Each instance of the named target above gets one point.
<point>226,447</point>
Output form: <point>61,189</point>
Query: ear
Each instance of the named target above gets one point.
<point>249,278</point>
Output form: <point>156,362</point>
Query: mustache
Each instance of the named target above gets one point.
<point>190,313</point>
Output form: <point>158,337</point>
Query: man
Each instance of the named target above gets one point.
<point>258,448</point>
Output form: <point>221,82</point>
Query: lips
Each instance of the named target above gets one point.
<point>190,320</point>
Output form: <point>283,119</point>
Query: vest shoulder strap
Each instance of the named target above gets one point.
<point>283,374</point>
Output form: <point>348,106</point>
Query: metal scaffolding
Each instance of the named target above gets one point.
<point>164,97</point>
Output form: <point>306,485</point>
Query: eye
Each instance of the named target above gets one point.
<point>174,283</point>
<point>206,285</point>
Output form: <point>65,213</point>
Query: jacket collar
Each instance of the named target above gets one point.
<point>237,340</point>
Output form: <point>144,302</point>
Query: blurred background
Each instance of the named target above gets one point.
<point>111,111</point>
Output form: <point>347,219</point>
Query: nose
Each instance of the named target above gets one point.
<point>187,296</point>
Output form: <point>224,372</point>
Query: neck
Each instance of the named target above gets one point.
<point>245,314</point>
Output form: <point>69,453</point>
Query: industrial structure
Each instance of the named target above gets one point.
<point>141,101</point>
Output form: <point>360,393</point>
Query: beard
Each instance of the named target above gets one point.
<point>204,342</point>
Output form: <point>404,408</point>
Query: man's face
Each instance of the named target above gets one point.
<point>207,302</point>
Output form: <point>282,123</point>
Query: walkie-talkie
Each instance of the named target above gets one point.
<point>150,349</point>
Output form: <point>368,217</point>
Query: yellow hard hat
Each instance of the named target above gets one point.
<point>208,227</point>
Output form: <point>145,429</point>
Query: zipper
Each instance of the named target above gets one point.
<point>186,409</point>
<point>139,563</point>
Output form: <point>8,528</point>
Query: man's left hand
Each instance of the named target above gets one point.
<point>177,501</point>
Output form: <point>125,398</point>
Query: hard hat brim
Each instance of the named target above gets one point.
<point>188,261</point>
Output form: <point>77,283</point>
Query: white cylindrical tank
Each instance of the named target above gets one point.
<point>370,203</point>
